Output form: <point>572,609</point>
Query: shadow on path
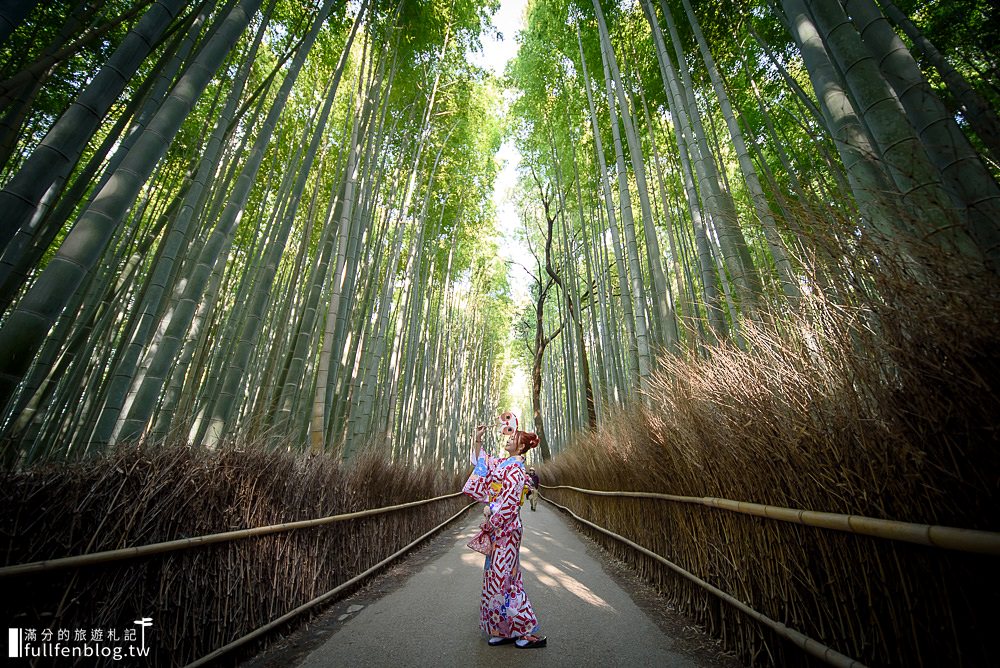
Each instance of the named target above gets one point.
<point>432,619</point>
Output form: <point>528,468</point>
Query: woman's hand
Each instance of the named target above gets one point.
<point>487,512</point>
<point>477,443</point>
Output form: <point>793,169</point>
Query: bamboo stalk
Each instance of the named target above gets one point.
<point>323,597</point>
<point>948,538</point>
<point>226,536</point>
<point>813,647</point>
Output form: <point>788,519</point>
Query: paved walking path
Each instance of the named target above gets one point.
<point>432,620</point>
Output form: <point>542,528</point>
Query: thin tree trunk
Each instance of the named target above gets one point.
<point>735,252</point>
<point>775,243</point>
<point>632,349</point>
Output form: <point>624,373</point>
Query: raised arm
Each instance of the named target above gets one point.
<point>477,443</point>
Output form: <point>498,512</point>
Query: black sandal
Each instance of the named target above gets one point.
<point>530,641</point>
<point>496,641</point>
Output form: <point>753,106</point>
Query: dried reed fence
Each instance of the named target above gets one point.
<point>884,403</point>
<point>828,655</point>
<point>203,597</point>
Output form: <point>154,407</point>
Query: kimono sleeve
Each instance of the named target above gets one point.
<point>478,484</point>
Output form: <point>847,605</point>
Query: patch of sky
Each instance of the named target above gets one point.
<point>499,46</point>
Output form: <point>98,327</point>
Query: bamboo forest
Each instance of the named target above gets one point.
<point>265,266</point>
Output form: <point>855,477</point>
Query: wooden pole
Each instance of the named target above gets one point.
<point>948,538</point>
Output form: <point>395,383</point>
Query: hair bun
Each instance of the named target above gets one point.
<point>529,439</point>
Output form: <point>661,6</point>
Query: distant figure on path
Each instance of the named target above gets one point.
<point>533,488</point>
<point>505,611</point>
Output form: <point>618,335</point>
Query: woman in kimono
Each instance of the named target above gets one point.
<point>505,611</point>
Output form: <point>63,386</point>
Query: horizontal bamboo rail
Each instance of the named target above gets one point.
<point>322,597</point>
<point>813,647</point>
<point>184,543</point>
<point>948,538</point>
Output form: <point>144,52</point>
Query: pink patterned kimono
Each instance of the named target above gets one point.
<point>505,610</point>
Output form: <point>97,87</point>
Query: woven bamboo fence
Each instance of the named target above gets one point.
<point>265,555</point>
<point>877,411</point>
<point>816,649</point>
<point>949,538</point>
<point>879,601</point>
